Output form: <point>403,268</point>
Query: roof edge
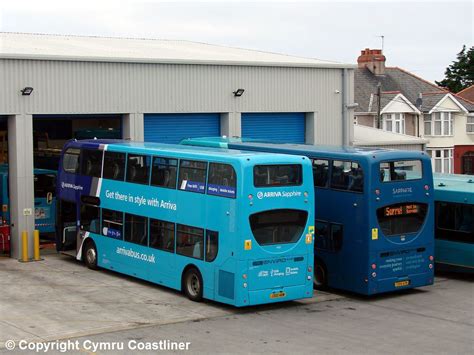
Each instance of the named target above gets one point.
<point>175,61</point>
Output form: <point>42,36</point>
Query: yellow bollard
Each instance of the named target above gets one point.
<point>24,246</point>
<point>36,250</point>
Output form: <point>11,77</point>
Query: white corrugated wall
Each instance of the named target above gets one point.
<point>68,87</point>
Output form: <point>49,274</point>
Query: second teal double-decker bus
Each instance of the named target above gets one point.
<point>373,214</point>
<point>230,226</point>
<point>45,200</point>
<point>454,222</point>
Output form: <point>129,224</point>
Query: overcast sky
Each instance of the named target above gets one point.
<point>422,37</point>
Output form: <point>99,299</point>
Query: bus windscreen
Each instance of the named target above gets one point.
<point>277,175</point>
<point>401,170</point>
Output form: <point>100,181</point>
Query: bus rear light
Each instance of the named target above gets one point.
<point>306,194</point>
<point>245,285</point>
<point>431,266</point>
<point>431,258</point>
<point>374,266</point>
<point>310,269</point>
<point>374,274</point>
<point>250,196</point>
<point>427,187</point>
<point>244,276</point>
<point>377,192</point>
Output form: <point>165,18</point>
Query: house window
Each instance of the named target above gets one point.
<point>442,160</point>
<point>394,122</point>
<point>470,124</point>
<point>439,124</point>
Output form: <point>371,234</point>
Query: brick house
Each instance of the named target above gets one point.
<point>397,101</point>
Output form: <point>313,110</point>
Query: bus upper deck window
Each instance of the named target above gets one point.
<point>222,180</point>
<point>71,160</point>
<point>401,170</point>
<point>192,176</point>
<point>347,175</point>
<point>91,162</point>
<point>138,168</point>
<point>277,175</point>
<point>164,172</point>
<point>114,166</point>
<point>320,172</point>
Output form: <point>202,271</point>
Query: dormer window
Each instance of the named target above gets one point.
<point>438,124</point>
<point>393,122</point>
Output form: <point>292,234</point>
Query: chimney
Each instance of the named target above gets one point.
<point>372,59</point>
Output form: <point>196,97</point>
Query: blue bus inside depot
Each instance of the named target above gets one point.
<point>374,228</point>
<point>45,199</point>
<point>247,267</point>
<point>454,229</point>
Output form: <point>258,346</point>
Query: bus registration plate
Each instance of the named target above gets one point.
<point>402,283</point>
<point>277,294</point>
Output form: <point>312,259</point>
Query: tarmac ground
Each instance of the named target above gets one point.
<point>59,301</point>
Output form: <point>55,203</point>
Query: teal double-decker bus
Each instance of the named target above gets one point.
<point>374,214</point>
<point>454,222</point>
<point>45,200</point>
<point>230,226</point>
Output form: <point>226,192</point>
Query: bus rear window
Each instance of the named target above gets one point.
<point>278,226</point>
<point>402,218</point>
<point>277,175</point>
<point>400,170</point>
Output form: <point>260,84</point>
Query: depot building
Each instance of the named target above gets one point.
<point>55,88</point>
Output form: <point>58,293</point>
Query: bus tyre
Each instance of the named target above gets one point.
<point>89,253</point>
<point>320,281</point>
<point>193,285</point>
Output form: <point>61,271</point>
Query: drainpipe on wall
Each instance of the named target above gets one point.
<point>345,101</point>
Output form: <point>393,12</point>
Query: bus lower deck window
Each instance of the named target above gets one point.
<point>136,229</point>
<point>190,241</point>
<point>90,221</point>
<point>112,224</point>
<point>212,245</point>
<point>162,235</point>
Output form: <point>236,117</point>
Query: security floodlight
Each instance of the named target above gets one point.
<point>27,91</point>
<point>239,92</point>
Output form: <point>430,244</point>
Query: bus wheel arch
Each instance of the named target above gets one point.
<point>191,283</point>
<point>89,254</point>
<point>320,278</point>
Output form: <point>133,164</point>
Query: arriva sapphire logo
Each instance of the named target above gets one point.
<point>402,190</point>
<point>273,194</point>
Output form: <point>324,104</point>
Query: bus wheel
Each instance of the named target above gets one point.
<point>193,285</point>
<point>320,281</point>
<point>89,252</point>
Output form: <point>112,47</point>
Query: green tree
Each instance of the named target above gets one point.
<point>460,74</point>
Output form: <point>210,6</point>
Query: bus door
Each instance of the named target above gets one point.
<point>45,202</point>
<point>66,235</point>
<point>346,217</point>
